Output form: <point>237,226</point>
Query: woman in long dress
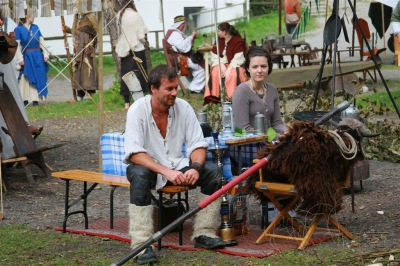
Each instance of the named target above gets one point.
<point>32,57</point>
<point>232,49</point>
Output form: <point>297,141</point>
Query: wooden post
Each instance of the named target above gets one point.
<point>1,191</point>
<point>100,89</point>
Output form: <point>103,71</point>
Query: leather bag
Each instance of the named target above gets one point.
<point>183,65</point>
<point>292,18</point>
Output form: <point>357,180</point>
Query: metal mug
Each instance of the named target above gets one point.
<point>202,117</point>
<point>259,123</point>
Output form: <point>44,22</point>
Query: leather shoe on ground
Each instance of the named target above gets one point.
<point>209,242</point>
<point>147,257</point>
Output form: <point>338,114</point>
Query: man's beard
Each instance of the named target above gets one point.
<point>184,29</point>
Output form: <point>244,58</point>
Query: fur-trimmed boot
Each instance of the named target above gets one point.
<point>141,229</point>
<point>206,225</point>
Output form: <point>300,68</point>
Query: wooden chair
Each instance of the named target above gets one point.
<point>25,148</point>
<point>171,59</point>
<point>275,191</point>
<point>363,48</point>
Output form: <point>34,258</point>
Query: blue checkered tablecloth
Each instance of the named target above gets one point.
<point>112,150</point>
<point>112,153</point>
<point>249,153</point>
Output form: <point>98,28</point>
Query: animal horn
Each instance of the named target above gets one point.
<point>366,133</point>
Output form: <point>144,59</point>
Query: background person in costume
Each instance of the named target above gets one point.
<point>131,37</point>
<point>32,56</point>
<point>232,49</point>
<point>182,44</point>
<point>292,7</point>
<point>156,127</point>
<point>85,77</point>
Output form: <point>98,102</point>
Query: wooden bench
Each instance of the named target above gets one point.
<point>114,181</point>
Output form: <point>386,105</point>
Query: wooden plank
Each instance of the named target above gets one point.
<point>276,188</point>
<point>287,76</point>
<point>93,177</point>
<point>13,160</point>
<point>248,140</point>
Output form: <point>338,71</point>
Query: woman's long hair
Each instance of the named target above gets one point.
<point>230,29</point>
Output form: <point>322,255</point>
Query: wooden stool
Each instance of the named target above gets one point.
<point>273,191</point>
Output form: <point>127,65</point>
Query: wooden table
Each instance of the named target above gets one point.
<point>205,50</point>
<point>301,55</point>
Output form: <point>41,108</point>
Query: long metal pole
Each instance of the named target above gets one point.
<point>100,82</point>
<point>216,195</point>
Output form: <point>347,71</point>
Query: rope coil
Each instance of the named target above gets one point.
<point>344,150</point>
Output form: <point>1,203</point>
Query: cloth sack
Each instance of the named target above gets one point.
<point>292,18</point>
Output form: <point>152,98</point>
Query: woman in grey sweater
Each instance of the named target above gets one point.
<point>255,95</point>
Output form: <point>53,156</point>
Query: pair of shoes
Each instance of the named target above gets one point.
<point>126,106</point>
<point>147,257</point>
<point>79,98</point>
<point>209,242</point>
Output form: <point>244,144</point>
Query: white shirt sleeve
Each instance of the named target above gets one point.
<point>396,27</point>
<point>179,43</point>
<point>237,60</point>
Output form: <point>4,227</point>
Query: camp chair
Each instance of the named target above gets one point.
<point>276,191</point>
<point>364,49</point>
<point>171,59</point>
<point>25,148</point>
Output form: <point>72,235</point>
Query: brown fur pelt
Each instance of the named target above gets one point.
<point>307,157</point>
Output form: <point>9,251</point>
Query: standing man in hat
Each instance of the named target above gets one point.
<point>182,44</point>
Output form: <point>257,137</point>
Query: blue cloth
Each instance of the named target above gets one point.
<point>112,151</point>
<point>35,68</point>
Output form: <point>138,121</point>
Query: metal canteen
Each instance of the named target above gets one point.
<point>202,117</point>
<point>259,123</point>
<point>351,112</point>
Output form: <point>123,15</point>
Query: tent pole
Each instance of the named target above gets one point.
<point>100,75</point>
<point>221,91</point>
<point>383,28</point>
<point>354,31</point>
<point>162,16</point>
<point>280,17</point>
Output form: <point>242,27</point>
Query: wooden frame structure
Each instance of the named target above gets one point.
<point>274,192</point>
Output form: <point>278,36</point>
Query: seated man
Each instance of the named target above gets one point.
<point>182,44</point>
<point>156,127</point>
